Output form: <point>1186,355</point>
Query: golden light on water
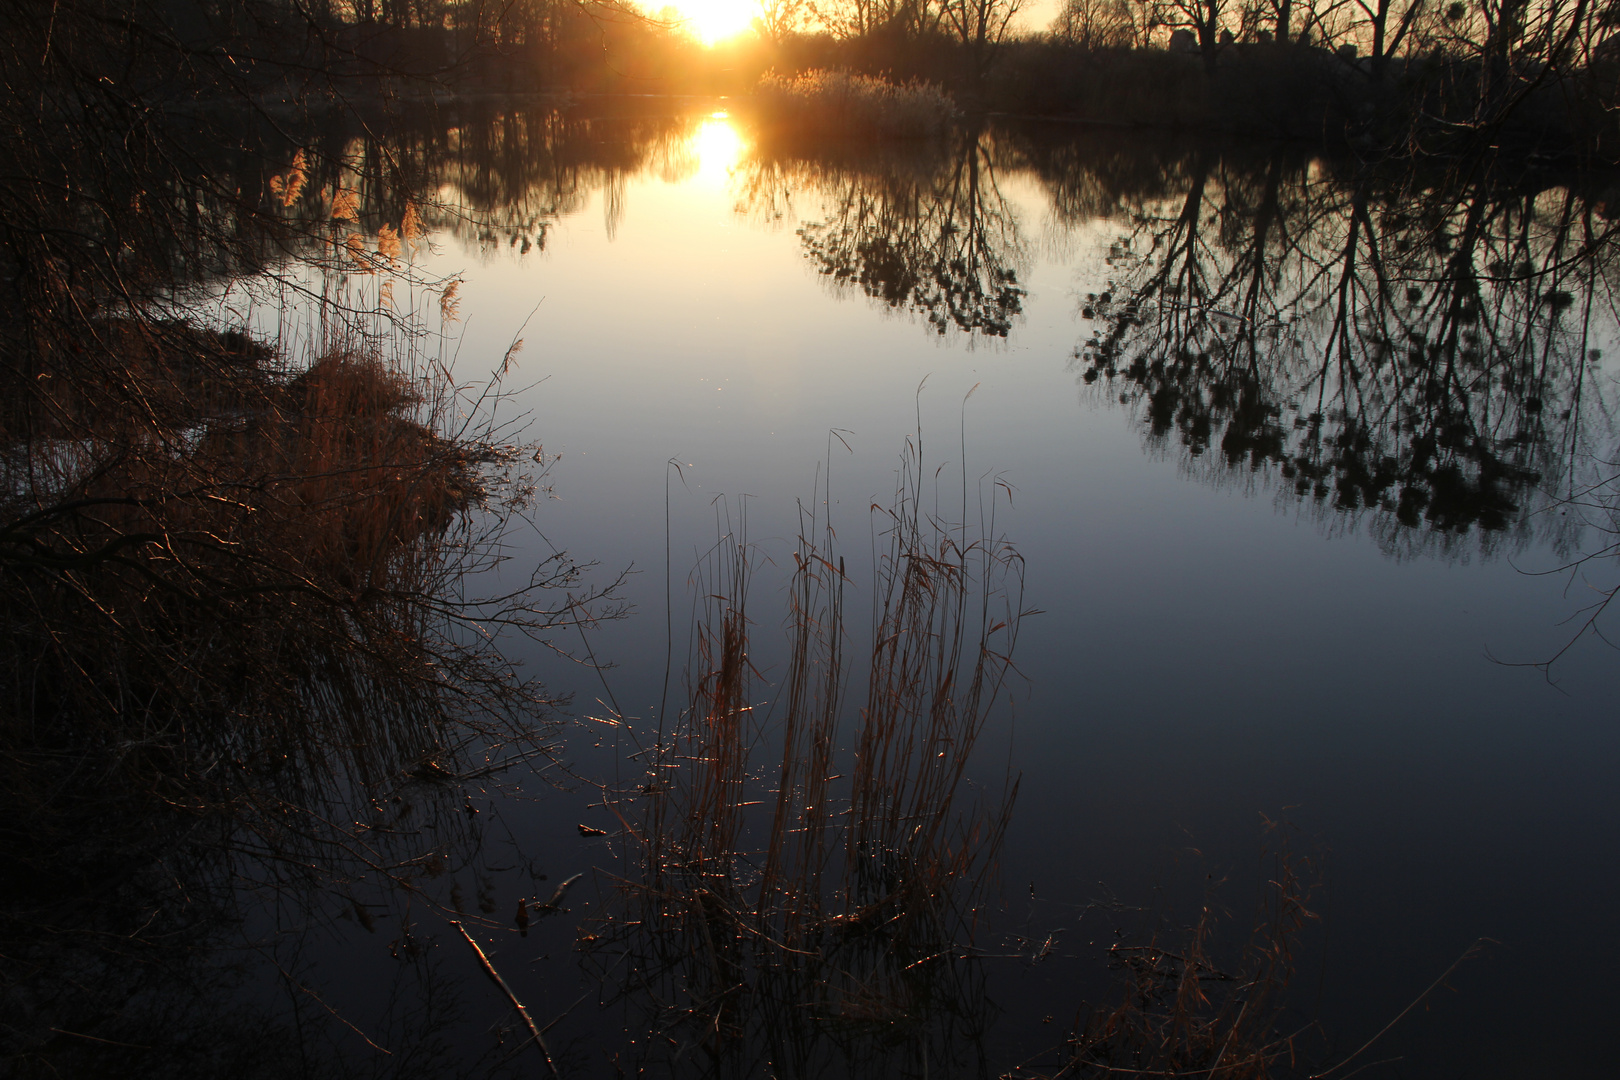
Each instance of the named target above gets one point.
<point>718,146</point>
<point>716,20</point>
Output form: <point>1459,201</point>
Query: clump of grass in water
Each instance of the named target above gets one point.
<point>817,912</point>
<point>1181,1012</point>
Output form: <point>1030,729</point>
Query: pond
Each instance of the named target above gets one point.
<point>1309,467</point>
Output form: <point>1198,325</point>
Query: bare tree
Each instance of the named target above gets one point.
<point>780,19</point>
<point>980,26</point>
<point>858,18</point>
<point>1098,24</point>
<point>1384,37</point>
<point>1204,18</point>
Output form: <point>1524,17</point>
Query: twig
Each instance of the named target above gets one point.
<point>1467,953</point>
<point>339,1017</point>
<point>554,905</point>
<point>94,1038</point>
<point>495,977</point>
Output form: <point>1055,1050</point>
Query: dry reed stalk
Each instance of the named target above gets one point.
<point>236,652</point>
<point>782,919</point>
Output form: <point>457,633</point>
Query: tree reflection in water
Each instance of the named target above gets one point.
<point>1410,351</point>
<point>936,237</point>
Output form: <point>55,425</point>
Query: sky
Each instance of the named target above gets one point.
<point>714,20</point>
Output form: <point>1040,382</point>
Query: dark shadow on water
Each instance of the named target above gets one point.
<point>247,701</point>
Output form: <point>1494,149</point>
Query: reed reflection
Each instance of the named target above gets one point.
<point>495,178</point>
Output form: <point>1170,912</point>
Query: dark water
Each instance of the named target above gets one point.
<point>1309,464</point>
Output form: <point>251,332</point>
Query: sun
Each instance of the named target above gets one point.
<point>716,20</point>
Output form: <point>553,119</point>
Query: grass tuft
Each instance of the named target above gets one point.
<point>811,882</point>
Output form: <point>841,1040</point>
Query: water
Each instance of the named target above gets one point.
<point>1271,588</point>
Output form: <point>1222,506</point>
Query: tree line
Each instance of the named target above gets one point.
<point>1401,76</point>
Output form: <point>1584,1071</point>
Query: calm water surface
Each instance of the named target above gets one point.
<point>1284,442</point>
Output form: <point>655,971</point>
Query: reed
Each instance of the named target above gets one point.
<point>810,881</point>
<point>845,105</point>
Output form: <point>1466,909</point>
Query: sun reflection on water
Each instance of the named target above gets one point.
<point>718,146</point>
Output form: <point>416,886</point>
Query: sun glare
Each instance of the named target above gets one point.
<point>716,20</point>
<point>719,147</point>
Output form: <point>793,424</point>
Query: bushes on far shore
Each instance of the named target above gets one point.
<point>1273,91</point>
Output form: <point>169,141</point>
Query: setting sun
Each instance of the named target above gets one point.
<point>715,20</point>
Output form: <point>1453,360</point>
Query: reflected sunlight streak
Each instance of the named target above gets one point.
<point>718,146</point>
